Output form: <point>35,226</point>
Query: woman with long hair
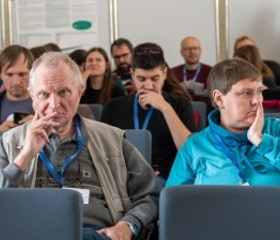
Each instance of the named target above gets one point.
<point>251,54</point>
<point>100,87</point>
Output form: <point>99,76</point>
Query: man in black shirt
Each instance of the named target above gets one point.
<point>169,118</point>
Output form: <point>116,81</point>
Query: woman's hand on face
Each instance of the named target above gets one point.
<point>255,131</point>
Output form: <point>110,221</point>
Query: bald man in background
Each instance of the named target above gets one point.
<point>192,69</point>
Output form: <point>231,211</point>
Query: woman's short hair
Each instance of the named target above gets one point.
<point>228,72</point>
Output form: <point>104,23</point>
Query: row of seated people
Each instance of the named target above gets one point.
<point>238,148</point>
<point>92,82</point>
<point>162,110</point>
<point>237,125</point>
<point>149,97</point>
<point>58,148</point>
<point>170,117</point>
<point>94,112</point>
<point>192,75</point>
<point>98,87</point>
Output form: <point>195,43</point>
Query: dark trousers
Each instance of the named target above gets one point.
<point>89,233</point>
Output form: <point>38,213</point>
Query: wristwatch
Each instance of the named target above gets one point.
<point>133,227</point>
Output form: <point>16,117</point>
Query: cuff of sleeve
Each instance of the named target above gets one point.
<point>13,173</point>
<point>133,220</point>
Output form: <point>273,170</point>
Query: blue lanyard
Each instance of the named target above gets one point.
<point>262,169</point>
<point>59,176</point>
<point>135,115</point>
<point>236,162</point>
<point>185,74</point>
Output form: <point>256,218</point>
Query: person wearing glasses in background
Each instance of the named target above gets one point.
<point>169,118</point>
<point>121,50</point>
<point>192,69</point>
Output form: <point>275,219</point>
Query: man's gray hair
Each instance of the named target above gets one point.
<point>52,60</point>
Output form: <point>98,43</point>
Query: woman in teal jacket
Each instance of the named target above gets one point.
<point>239,147</point>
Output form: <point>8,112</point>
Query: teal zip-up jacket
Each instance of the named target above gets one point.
<point>203,160</point>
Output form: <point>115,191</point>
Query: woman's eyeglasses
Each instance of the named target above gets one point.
<point>147,50</point>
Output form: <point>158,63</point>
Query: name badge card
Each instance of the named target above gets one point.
<point>83,192</point>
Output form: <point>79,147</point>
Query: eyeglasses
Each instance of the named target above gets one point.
<point>125,55</point>
<point>191,49</point>
<point>145,50</point>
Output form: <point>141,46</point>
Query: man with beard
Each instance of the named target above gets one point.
<point>15,64</point>
<point>121,50</point>
<point>193,69</point>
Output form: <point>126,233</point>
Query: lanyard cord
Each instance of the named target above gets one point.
<point>58,176</point>
<point>237,162</point>
<point>136,117</point>
<point>185,74</point>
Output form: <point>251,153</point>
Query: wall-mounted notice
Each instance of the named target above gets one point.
<point>71,24</point>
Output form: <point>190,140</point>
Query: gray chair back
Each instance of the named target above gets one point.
<point>91,111</point>
<point>219,213</point>
<point>43,214</point>
<point>142,140</point>
<point>201,108</point>
<point>85,111</point>
<point>97,110</point>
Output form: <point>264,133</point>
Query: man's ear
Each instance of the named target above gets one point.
<point>218,98</point>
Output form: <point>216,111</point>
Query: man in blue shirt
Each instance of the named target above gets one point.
<point>15,64</point>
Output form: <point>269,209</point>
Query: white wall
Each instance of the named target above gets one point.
<point>167,22</point>
<point>104,25</point>
<point>258,19</point>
